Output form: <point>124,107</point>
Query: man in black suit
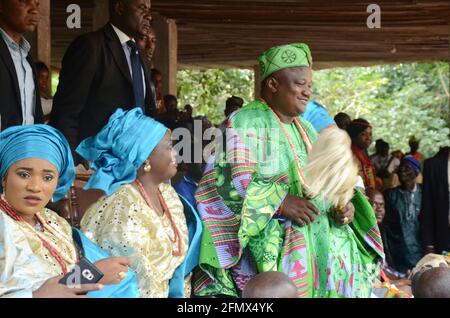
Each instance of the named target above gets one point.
<point>103,71</point>
<point>435,214</point>
<point>20,103</point>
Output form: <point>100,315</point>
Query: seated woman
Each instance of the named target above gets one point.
<point>36,245</point>
<point>141,216</point>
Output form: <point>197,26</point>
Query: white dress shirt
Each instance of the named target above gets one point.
<point>127,50</point>
<point>25,78</point>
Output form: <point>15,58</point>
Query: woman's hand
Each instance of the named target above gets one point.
<point>298,210</point>
<point>345,216</point>
<point>115,269</point>
<point>53,289</point>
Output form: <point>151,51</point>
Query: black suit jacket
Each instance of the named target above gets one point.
<point>435,228</point>
<point>10,100</point>
<point>94,82</point>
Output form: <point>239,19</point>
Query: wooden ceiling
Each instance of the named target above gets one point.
<point>233,33</point>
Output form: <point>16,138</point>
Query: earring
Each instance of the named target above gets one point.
<point>147,167</point>
<point>3,194</point>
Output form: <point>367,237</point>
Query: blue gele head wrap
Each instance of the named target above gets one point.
<point>38,141</point>
<point>118,151</point>
<point>318,116</point>
<point>413,162</point>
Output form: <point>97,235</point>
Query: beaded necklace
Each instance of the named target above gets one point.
<point>366,166</point>
<point>177,238</point>
<point>306,140</point>
<point>61,259</point>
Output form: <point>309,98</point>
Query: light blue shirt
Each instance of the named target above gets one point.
<point>127,50</point>
<point>25,77</point>
<point>318,116</point>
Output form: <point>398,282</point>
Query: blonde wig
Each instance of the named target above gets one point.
<point>332,170</point>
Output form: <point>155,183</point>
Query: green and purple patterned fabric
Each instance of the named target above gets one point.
<point>238,198</point>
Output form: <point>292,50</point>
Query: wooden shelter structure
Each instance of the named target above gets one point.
<point>232,33</point>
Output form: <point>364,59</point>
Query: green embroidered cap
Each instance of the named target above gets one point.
<point>284,56</point>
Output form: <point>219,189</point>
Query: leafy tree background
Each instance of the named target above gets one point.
<point>399,100</point>
<point>207,90</point>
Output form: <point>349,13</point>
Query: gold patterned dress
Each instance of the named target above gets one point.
<point>124,225</point>
<point>25,264</point>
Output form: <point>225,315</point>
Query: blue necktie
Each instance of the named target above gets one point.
<point>138,81</point>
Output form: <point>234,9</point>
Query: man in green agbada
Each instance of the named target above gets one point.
<point>253,200</point>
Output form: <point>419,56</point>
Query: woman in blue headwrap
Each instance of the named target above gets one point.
<point>140,215</point>
<point>36,245</point>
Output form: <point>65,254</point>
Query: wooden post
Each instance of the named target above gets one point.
<point>43,33</point>
<point>166,54</point>
<point>43,37</point>
<point>101,14</point>
<point>257,76</point>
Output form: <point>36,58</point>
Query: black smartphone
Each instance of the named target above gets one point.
<point>84,272</point>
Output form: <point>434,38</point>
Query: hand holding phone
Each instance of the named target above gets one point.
<point>83,273</point>
<point>53,289</point>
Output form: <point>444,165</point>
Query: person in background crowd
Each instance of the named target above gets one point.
<point>392,168</point>
<point>206,123</point>
<point>188,111</point>
<point>342,120</point>
<point>380,159</point>
<point>402,217</point>
<point>19,88</point>
<point>360,132</point>
<point>435,214</point>
<point>188,185</point>
<point>414,144</point>
<point>185,118</point>
<point>147,43</point>
<point>391,284</point>
<point>44,89</point>
<point>171,117</point>
<point>232,104</point>
<point>376,199</point>
<point>157,80</point>
<point>394,161</point>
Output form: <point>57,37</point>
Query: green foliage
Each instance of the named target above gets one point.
<point>207,90</point>
<point>55,81</point>
<point>398,100</point>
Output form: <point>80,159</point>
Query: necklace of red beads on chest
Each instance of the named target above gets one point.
<point>166,211</point>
